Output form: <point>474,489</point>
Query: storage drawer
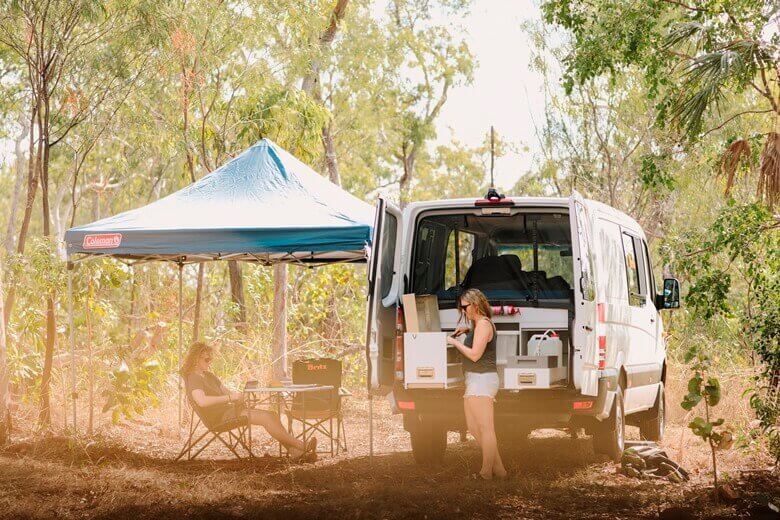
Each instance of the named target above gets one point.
<point>532,372</point>
<point>427,363</point>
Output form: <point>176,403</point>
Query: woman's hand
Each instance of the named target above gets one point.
<point>460,330</point>
<point>452,341</point>
<point>236,396</point>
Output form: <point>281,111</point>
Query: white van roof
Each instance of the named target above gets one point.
<point>609,212</point>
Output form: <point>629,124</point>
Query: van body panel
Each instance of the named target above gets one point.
<point>601,304</point>
<point>584,335</point>
<point>382,303</point>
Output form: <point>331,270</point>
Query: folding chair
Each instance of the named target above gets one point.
<point>238,434</point>
<point>317,411</point>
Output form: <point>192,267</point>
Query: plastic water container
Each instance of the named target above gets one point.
<point>546,344</point>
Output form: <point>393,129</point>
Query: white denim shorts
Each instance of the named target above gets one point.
<point>481,384</point>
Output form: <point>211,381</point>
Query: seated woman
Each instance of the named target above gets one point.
<point>216,404</point>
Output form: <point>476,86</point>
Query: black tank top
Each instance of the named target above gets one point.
<point>486,363</point>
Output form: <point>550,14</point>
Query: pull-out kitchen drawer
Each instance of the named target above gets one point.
<point>427,364</point>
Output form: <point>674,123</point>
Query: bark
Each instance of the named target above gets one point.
<point>5,416</point>
<point>198,300</point>
<point>331,165</point>
<point>32,188</point>
<point>51,324</point>
<point>237,293</point>
<point>17,193</point>
<point>279,350</point>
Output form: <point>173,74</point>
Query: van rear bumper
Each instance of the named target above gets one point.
<point>537,408</point>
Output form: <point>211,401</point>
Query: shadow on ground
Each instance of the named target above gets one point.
<point>552,477</point>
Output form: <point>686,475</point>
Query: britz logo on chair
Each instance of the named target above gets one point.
<point>103,241</point>
<point>312,367</point>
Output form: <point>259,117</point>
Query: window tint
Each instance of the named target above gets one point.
<point>632,271</point>
<point>588,286</point>
<point>520,257</point>
<point>388,253</point>
<point>652,287</point>
<point>463,243</point>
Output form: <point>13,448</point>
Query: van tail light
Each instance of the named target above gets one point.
<point>582,405</point>
<point>602,352</point>
<point>399,344</point>
<point>601,312</point>
<point>405,405</point>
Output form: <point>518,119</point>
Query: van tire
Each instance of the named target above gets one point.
<point>429,442</point>
<point>609,437</point>
<point>652,426</point>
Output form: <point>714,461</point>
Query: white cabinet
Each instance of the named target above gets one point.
<point>429,362</point>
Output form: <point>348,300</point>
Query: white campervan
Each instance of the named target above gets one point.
<point>580,339</point>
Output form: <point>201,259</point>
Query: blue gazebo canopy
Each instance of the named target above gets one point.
<point>264,205</point>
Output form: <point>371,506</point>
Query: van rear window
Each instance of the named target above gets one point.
<point>522,257</point>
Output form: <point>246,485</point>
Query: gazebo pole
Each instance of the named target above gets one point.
<point>72,341</point>
<point>178,379</point>
<point>370,424</point>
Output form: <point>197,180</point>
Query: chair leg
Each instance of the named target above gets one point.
<point>227,445</point>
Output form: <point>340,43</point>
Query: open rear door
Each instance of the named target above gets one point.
<point>383,296</point>
<point>584,338</point>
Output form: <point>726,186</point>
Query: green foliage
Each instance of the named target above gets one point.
<point>132,389</point>
<point>705,388</point>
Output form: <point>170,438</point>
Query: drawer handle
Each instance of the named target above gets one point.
<point>526,379</point>
<point>425,372</point>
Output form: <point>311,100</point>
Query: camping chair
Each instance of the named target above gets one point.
<point>237,431</point>
<point>317,411</point>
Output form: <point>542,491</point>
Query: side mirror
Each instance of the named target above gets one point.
<point>670,297</point>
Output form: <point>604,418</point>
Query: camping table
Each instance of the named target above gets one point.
<point>276,396</point>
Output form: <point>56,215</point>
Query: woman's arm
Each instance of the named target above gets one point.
<point>482,336</point>
<point>204,401</point>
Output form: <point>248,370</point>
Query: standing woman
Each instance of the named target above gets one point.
<point>216,404</point>
<point>479,364</point>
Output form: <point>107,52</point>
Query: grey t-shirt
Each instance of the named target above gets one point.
<point>211,386</point>
<point>486,363</point>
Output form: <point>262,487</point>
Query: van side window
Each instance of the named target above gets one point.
<point>587,284</point>
<point>652,289</point>
<point>455,269</point>
<point>635,296</point>
<point>388,253</point>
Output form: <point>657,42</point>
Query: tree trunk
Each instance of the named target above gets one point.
<point>331,165</point>
<point>237,293</point>
<point>198,300</point>
<point>279,351</point>
<point>17,193</point>
<point>5,416</point>
<point>51,325</point>
<point>33,164</point>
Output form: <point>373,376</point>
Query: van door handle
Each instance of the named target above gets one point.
<point>587,328</point>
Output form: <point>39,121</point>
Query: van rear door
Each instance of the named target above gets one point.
<point>383,296</point>
<point>584,339</point>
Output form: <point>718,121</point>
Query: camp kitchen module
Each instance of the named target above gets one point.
<point>524,358</point>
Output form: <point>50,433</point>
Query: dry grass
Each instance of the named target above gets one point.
<point>128,473</point>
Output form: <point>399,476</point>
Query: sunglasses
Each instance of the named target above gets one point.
<point>464,307</point>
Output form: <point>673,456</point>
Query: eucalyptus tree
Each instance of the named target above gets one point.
<point>76,56</point>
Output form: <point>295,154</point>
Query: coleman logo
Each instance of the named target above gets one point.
<point>105,241</point>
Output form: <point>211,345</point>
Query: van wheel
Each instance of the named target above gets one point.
<point>652,427</point>
<point>609,437</point>
<point>429,442</point>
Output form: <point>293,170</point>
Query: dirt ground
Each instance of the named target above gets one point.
<point>129,472</point>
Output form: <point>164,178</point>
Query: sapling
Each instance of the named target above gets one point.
<point>705,388</point>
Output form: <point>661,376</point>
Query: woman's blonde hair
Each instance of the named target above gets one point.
<point>477,298</point>
<point>196,350</point>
